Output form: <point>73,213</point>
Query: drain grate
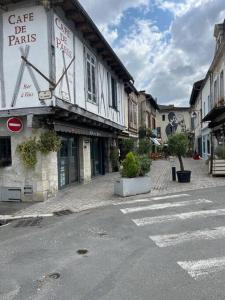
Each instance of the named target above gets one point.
<point>28,222</point>
<point>63,212</point>
<point>3,222</point>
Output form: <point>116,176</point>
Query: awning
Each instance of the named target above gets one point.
<point>73,129</point>
<point>214,113</point>
<point>155,141</point>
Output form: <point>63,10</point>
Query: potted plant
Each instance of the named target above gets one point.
<point>178,145</point>
<point>134,179</point>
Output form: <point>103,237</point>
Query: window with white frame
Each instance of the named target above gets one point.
<point>91,83</point>
<point>209,104</point>
<point>215,91</point>
<point>112,91</point>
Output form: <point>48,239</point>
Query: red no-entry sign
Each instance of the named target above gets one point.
<point>14,124</point>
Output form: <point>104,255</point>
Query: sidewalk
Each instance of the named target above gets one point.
<point>100,191</point>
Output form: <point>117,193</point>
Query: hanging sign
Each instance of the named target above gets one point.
<point>14,125</point>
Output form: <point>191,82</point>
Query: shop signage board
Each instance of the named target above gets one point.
<point>25,35</point>
<point>15,125</point>
<point>64,54</point>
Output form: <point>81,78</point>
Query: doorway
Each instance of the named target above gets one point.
<point>68,161</point>
<point>97,157</point>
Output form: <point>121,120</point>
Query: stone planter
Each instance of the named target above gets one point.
<point>218,167</point>
<point>132,186</point>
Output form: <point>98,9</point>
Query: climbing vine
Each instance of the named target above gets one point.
<point>28,152</point>
<point>48,142</point>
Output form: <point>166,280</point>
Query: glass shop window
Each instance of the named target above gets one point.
<point>5,152</point>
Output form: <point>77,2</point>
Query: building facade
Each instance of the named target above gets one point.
<point>147,109</point>
<point>171,119</point>
<point>57,73</point>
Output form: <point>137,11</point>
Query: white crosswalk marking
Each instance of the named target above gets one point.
<point>202,268</point>
<point>152,199</point>
<point>176,217</point>
<point>164,205</point>
<point>168,240</point>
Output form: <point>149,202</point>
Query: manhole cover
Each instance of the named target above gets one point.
<point>63,212</point>
<point>82,251</point>
<point>54,275</point>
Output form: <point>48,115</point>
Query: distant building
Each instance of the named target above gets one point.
<point>172,119</point>
<point>147,110</point>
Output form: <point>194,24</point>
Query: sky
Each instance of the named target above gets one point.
<point>166,45</point>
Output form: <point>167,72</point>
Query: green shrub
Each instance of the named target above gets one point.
<point>145,165</point>
<point>144,146</point>
<point>48,142</point>
<point>130,166</point>
<point>220,152</point>
<point>28,152</point>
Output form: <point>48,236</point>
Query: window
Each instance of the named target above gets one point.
<point>148,120</point>
<point>215,92</point>
<point>5,152</point>
<point>158,132</point>
<point>112,89</point>
<point>163,118</point>
<point>204,112</point>
<point>209,104</point>
<point>208,145</point>
<point>153,123</point>
<point>91,77</point>
<point>221,86</point>
<point>132,108</point>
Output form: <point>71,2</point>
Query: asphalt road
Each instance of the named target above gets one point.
<point>169,248</point>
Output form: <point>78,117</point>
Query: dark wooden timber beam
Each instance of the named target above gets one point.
<point>91,36</point>
<point>75,16</point>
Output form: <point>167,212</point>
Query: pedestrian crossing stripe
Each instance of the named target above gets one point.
<point>201,268</point>
<point>164,205</point>
<point>152,199</point>
<point>177,217</point>
<point>168,240</point>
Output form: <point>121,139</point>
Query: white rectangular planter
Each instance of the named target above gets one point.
<point>132,186</point>
<point>218,167</point>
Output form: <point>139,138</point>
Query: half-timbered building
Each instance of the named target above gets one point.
<point>57,72</point>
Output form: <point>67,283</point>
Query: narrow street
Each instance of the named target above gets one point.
<point>159,247</point>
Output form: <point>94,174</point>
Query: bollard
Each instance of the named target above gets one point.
<point>174,173</point>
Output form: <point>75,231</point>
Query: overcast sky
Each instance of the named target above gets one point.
<point>165,45</point>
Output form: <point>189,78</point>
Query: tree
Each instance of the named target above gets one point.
<point>178,145</point>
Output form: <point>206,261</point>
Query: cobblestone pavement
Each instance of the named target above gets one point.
<point>99,192</point>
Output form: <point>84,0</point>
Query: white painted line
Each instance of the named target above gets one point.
<point>170,197</point>
<point>202,268</point>
<point>176,217</point>
<point>11,217</point>
<point>163,206</point>
<point>168,240</point>
<point>151,199</point>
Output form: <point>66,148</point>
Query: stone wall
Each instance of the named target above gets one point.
<point>42,181</point>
